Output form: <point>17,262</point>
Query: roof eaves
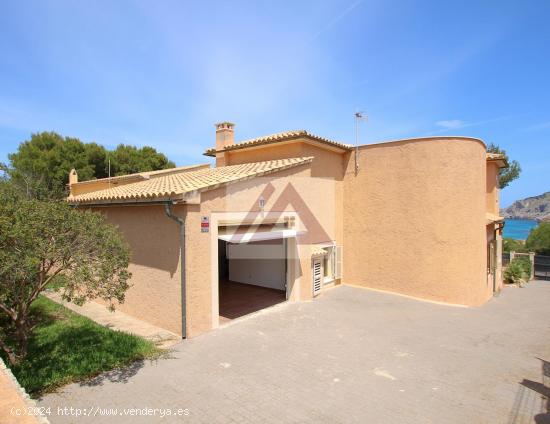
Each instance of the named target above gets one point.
<point>498,158</point>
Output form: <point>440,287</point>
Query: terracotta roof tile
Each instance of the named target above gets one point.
<point>175,185</point>
<point>138,176</point>
<point>274,138</point>
<point>498,158</point>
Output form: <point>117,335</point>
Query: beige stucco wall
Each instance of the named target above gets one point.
<point>492,188</point>
<point>102,184</point>
<point>291,190</point>
<point>153,238</point>
<point>414,219</point>
<point>155,295</point>
<point>493,207</point>
<point>328,163</point>
<point>411,221</point>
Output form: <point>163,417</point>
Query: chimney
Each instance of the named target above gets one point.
<point>225,136</point>
<point>73,179</point>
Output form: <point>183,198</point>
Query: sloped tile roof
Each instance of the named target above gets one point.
<point>499,158</point>
<point>494,156</point>
<point>146,174</point>
<point>275,138</point>
<point>491,217</point>
<point>175,185</point>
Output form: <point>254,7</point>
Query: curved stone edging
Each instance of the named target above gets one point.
<point>21,394</point>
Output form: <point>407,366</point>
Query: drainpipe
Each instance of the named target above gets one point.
<point>181,223</point>
<point>498,229</point>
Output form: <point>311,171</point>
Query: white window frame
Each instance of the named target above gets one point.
<point>330,256</point>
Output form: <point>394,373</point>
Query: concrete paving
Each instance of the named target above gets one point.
<point>351,356</point>
<point>118,320</point>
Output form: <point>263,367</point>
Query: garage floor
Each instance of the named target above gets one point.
<point>350,356</point>
<point>237,300</point>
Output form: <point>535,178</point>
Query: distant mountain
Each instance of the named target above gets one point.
<point>537,208</point>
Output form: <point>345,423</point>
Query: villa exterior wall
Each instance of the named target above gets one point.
<point>329,164</point>
<point>492,188</point>
<point>292,190</point>
<point>155,294</point>
<point>414,220</point>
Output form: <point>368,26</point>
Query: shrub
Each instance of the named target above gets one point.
<point>512,245</point>
<point>525,264</point>
<point>518,270</point>
<point>514,273</point>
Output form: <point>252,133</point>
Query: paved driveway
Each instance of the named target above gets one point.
<point>352,356</point>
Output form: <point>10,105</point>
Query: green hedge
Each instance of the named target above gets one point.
<point>519,269</point>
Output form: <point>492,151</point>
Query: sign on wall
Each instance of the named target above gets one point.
<point>205,224</point>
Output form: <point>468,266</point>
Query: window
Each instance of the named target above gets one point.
<point>332,264</point>
<point>328,265</point>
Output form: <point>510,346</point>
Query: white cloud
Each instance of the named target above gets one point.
<point>451,124</point>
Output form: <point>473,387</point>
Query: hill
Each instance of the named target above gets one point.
<point>536,207</point>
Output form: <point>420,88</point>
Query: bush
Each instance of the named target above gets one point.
<point>512,245</point>
<point>539,239</point>
<point>519,269</point>
<point>514,273</point>
<point>525,263</point>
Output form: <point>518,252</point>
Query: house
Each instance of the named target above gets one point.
<point>287,216</point>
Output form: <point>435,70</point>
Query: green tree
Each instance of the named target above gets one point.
<point>130,159</point>
<point>41,240</point>
<point>538,240</point>
<point>41,165</point>
<point>509,174</point>
<point>512,245</point>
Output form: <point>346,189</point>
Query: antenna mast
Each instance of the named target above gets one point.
<point>358,117</point>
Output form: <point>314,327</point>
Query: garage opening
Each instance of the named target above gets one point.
<point>252,276</point>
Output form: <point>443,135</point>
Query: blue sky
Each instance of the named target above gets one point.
<point>161,73</point>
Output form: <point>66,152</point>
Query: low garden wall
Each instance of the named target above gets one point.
<point>16,407</point>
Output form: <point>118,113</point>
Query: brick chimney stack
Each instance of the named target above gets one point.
<point>225,136</point>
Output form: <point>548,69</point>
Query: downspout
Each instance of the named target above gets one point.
<point>498,229</point>
<point>181,223</point>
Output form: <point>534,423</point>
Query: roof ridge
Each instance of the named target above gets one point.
<point>273,138</point>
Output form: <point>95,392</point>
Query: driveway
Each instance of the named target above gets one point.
<point>351,356</point>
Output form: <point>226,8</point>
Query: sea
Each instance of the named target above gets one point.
<point>518,229</point>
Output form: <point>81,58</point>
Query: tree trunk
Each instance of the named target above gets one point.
<point>12,358</point>
<point>22,337</point>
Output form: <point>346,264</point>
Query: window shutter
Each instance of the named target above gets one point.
<point>317,276</point>
<point>338,262</point>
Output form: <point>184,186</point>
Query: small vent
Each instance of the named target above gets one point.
<point>317,277</point>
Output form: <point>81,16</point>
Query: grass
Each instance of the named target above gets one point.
<point>66,347</point>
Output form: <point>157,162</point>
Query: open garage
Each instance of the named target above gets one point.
<point>252,272</point>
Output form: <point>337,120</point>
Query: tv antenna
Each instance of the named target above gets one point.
<point>359,116</point>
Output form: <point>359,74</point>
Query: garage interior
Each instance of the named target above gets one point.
<point>252,276</point>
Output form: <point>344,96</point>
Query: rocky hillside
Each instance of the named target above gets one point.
<point>537,207</point>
